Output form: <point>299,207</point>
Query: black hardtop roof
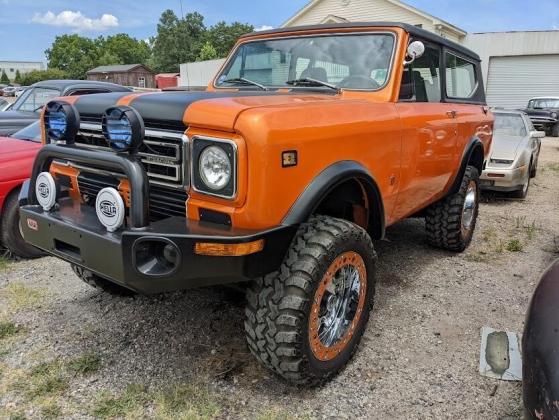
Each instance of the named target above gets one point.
<point>411,29</point>
<point>67,84</point>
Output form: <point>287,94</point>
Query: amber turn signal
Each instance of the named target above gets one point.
<point>228,250</point>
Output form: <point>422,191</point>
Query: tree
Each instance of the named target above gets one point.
<point>4,79</point>
<point>73,54</point>
<point>208,52</point>
<point>40,75</point>
<point>18,77</point>
<point>177,40</point>
<point>125,49</point>
<point>223,36</point>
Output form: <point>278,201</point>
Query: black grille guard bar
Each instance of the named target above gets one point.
<point>130,166</point>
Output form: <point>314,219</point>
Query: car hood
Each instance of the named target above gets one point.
<point>216,110</point>
<point>11,149</point>
<point>541,112</point>
<point>506,147</point>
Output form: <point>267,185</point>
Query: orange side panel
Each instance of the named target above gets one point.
<point>72,173</point>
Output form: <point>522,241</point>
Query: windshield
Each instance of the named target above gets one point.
<point>510,125</point>
<point>345,61</point>
<point>544,103</point>
<point>33,99</point>
<point>31,132</point>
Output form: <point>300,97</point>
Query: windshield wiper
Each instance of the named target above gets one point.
<point>308,81</point>
<point>246,82</point>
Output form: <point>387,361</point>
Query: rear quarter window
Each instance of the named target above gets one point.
<point>461,77</point>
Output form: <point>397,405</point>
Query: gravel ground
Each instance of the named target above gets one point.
<point>67,350</point>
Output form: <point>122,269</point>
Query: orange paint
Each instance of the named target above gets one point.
<point>56,170</point>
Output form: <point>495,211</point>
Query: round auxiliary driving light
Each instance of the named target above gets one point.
<point>110,208</point>
<point>46,190</point>
<point>62,121</point>
<point>123,127</point>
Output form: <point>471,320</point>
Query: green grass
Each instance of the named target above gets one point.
<point>85,365</point>
<point>8,329</point>
<point>20,296</point>
<point>514,245</point>
<point>51,411</point>
<point>4,262</point>
<point>46,379</point>
<point>179,401</point>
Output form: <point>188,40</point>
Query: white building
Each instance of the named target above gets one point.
<point>199,73</point>
<point>11,67</point>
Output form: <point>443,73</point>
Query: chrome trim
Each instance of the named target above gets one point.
<point>234,166</point>
<point>149,132</point>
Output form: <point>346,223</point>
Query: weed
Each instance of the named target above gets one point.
<point>4,262</point>
<point>20,296</point>
<point>51,411</point>
<point>132,400</point>
<point>185,401</point>
<point>477,257</point>
<point>8,329</point>
<point>85,365</point>
<point>514,245</point>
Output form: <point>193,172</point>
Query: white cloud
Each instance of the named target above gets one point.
<point>264,28</point>
<point>76,20</point>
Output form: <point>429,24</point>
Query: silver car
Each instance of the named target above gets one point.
<point>513,159</point>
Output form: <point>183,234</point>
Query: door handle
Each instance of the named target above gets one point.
<point>452,114</point>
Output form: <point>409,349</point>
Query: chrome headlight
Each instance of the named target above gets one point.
<point>554,115</point>
<point>123,127</point>
<point>214,166</point>
<point>62,121</point>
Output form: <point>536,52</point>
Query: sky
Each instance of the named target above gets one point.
<point>28,27</point>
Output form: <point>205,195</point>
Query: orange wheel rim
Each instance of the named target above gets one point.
<point>337,306</point>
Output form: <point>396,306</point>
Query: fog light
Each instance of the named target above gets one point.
<point>110,208</point>
<point>171,254</point>
<point>45,190</point>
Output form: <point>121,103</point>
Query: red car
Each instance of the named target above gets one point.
<point>17,154</point>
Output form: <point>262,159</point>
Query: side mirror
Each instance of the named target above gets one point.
<point>415,50</point>
<point>537,134</point>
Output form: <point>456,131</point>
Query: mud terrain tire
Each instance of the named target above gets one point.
<point>280,325</point>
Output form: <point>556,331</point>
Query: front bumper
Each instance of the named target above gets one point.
<point>73,232</point>
<point>543,122</point>
<point>507,179</point>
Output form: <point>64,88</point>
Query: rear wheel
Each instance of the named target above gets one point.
<point>451,222</point>
<point>11,236</point>
<point>306,320</point>
<point>100,283</point>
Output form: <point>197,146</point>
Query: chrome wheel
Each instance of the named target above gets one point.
<point>469,208</point>
<point>337,306</point>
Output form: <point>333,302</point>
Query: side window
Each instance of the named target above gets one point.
<point>461,78</point>
<point>421,80</point>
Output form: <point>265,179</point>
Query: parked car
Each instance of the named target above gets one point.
<point>4,104</point>
<point>540,349</point>
<point>275,176</point>
<point>20,90</point>
<point>9,91</point>
<point>544,113</point>
<point>514,155</point>
<point>16,160</point>
<point>27,107</point>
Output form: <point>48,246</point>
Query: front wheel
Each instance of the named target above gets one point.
<point>523,191</point>
<point>11,235</point>
<point>306,320</point>
<point>450,223</point>
<point>555,130</point>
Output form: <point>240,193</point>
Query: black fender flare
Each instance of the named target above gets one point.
<point>474,153</point>
<point>325,182</point>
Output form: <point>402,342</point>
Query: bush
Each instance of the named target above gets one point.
<point>40,75</point>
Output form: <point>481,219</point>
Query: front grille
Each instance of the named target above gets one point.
<point>164,202</point>
<point>163,152</point>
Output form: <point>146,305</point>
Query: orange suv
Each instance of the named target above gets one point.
<point>306,146</point>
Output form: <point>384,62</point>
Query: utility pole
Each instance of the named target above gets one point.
<point>182,13</point>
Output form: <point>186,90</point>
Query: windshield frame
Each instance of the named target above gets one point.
<point>389,73</point>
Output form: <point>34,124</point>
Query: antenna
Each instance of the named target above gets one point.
<point>182,13</point>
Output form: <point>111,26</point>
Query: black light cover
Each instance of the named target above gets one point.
<point>62,121</point>
<point>124,128</point>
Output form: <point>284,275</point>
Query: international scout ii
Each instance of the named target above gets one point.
<point>308,144</point>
